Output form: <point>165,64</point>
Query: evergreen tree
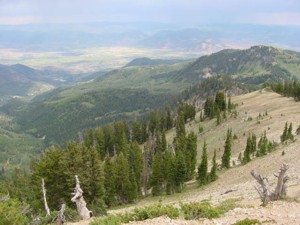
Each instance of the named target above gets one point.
<point>202,169</point>
<point>153,122</point>
<point>213,172</point>
<point>247,151</point>
<point>109,182</point>
<point>180,175</point>
<point>100,143</point>
<point>49,168</point>
<point>122,179</point>
<point>284,135</point>
<point>180,126</point>
<point>170,172</point>
<point>191,154</point>
<point>136,165</point>
<point>227,150</point>
<point>290,132</point>
<point>157,175</point>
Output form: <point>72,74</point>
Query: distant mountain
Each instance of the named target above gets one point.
<point>144,61</point>
<point>132,91</point>
<point>252,66</point>
<point>21,80</point>
<point>205,39</point>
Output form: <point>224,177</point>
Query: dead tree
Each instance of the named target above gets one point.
<point>44,197</point>
<point>266,195</point>
<point>60,217</point>
<point>83,212</point>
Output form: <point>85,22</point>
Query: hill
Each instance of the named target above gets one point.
<point>24,81</point>
<point>237,183</point>
<point>151,62</point>
<point>133,91</point>
<point>252,66</point>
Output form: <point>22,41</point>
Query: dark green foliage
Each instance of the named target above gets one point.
<point>187,111</point>
<point>170,172</point>
<point>11,212</point>
<point>157,177</point>
<point>264,145</point>
<point>287,133</point>
<point>227,150</point>
<point>191,154</point>
<point>202,169</point>
<point>181,171</point>
<point>287,89</point>
<point>135,159</point>
<point>213,172</point>
<point>213,107</point>
<point>109,182</point>
<point>180,126</point>
<point>58,168</point>
<point>123,184</point>
<point>250,148</point>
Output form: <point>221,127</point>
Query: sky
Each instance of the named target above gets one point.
<point>192,12</point>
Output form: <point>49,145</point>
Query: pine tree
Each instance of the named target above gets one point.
<point>109,182</point>
<point>247,151</point>
<point>202,169</point>
<point>213,172</point>
<point>191,154</point>
<point>290,132</point>
<point>180,126</point>
<point>135,159</point>
<point>170,172</point>
<point>122,172</point>
<point>180,175</point>
<point>284,135</point>
<point>157,175</point>
<point>227,150</point>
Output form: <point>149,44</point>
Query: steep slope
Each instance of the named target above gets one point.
<point>237,182</point>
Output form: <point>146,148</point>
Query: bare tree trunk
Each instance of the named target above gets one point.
<point>83,212</point>
<point>60,216</point>
<point>44,197</point>
<point>266,195</point>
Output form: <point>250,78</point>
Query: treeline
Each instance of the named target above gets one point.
<point>287,89</point>
<point>111,165</point>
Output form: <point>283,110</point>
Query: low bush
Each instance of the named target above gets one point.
<point>247,222</point>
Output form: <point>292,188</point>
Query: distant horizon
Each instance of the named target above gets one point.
<point>193,12</point>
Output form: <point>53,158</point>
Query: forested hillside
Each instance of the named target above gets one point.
<point>132,91</point>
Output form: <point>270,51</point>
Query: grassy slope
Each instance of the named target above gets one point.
<point>238,179</point>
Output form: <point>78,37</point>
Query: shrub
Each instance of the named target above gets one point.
<point>247,222</point>
<point>196,210</point>
<point>138,214</point>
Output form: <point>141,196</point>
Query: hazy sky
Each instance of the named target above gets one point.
<point>194,12</point>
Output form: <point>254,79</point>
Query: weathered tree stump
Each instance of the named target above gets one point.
<point>83,212</point>
<point>266,195</point>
